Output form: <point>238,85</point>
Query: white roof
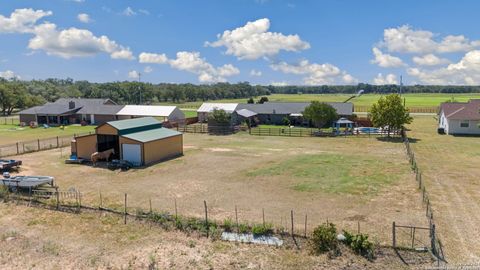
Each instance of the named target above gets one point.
<point>209,107</point>
<point>146,110</point>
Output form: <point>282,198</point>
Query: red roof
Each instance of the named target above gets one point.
<point>462,110</point>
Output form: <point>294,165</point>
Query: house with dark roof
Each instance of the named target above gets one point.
<point>66,111</point>
<point>461,118</point>
<point>276,112</point>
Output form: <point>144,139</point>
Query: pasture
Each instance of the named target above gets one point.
<point>10,134</point>
<point>345,180</point>
<point>420,100</point>
<point>450,166</point>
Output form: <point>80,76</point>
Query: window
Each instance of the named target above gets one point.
<point>464,124</point>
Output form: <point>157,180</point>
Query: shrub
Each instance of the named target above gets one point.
<point>228,225</point>
<point>360,244</point>
<point>243,228</point>
<point>260,229</point>
<point>324,238</point>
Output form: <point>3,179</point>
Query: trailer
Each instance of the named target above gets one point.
<point>25,182</point>
<point>8,164</point>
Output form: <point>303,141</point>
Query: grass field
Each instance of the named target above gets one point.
<point>450,169</point>
<point>344,180</point>
<point>34,238</point>
<point>411,100</point>
<point>10,134</point>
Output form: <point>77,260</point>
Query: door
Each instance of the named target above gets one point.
<point>92,119</point>
<point>132,153</point>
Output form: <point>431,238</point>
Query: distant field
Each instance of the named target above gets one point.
<point>411,100</point>
<point>10,134</point>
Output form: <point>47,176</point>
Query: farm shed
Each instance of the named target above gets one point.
<point>141,141</point>
<point>207,108</point>
<point>167,113</point>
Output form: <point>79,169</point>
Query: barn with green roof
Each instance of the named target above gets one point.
<point>141,141</point>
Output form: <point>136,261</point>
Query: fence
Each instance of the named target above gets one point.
<point>10,120</point>
<point>25,147</point>
<point>436,245</point>
<point>410,109</point>
<point>312,132</point>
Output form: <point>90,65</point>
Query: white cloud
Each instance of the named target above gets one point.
<point>74,42</point>
<point>388,79</point>
<point>385,60</point>
<point>144,11</point>
<point>404,39</point>
<point>253,41</point>
<point>129,12</point>
<point>152,58</point>
<point>316,74</point>
<point>192,62</point>
<point>84,18</point>
<point>21,20</point>
<point>466,71</point>
<point>134,74</point>
<point>255,73</point>
<point>8,75</point>
<point>148,69</point>
<point>429,60</point>
<point>283,83</point>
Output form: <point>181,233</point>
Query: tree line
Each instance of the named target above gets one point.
<point>16,95</point>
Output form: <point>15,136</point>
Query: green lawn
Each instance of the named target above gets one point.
<point>13,133</point>
<point>190,113</point>
<point>411,100</point>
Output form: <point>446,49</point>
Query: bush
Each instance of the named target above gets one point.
<point>243,228</point>
<point>324,238</point>
<point>228,225</point>
<point>260,229</point>
<point>360,244</point>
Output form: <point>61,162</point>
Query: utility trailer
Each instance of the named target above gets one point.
<point>8,164</point>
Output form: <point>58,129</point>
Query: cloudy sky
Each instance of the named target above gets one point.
<point>303,42</point>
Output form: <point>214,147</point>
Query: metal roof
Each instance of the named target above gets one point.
<point>81,106</point>
<point>343,121</point>
<point>209,107</point>
<point>293,107</point>
<point>152,135</point>
<point>462,110</point>
<point>246,113</point>
<point>135,123</point>
<point>147,110</point>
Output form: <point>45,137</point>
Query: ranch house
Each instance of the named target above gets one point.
<point>141,141</point>
<point>460,118</point>
<point>93,111</point>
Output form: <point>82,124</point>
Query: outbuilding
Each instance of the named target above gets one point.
<point>141,141</point>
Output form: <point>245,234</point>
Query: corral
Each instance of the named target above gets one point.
<point>350,181</point>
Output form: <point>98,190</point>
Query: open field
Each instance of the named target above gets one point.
<point>344,180</point>
<point>10,134</point>
<point>411,100</point>
<point>33,238</point>
<point>451,170</point>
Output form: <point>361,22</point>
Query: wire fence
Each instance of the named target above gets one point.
<point>315,132</point>
<point>25,147</point>
<point>432,109</point>
<point>436,244</point>
<point>10,120</point>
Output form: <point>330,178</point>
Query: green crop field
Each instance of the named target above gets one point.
<point>411,100</point>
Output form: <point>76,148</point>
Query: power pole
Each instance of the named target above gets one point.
<point>140,87</point>
<point>401,84</point>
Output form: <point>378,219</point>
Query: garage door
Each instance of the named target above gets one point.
<point>132,153</point>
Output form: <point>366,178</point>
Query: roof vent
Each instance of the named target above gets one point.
<point>71,105</point>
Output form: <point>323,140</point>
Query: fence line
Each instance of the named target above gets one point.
<point>433,109</point>
<point>436,244</point>
<point>25,147</point>
<point>313,132</point>
<point>10,120</point>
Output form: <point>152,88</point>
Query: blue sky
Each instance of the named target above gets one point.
<point>260,41</point>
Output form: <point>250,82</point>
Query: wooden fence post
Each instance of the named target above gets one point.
<point>176,213</point>
<point>58,197</point>
<point>150,203</point>
<point>23,147</point>
<point>291,217</point>
<point>125,210</point>
<point>38,144</point>
<point>206,218</point>
<point>236,219</point>
<point>433,240</point>
<point>305,232</point>
<point>358,227</point>
<point>58,145</point>
<point>263,217</point>
<point>101,201</point>
<point>394,240</point>
<point>17,148</point>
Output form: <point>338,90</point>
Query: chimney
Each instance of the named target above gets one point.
<point>71,105</point>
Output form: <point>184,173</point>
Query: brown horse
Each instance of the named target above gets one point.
<point>101,156</point>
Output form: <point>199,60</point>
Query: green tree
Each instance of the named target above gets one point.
<point>389,112</point>
<point>250,101</point>
<point>320,113</point>
<point>263,100</point>
<point>220,117</point>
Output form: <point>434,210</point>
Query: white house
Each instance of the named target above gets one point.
<point>460,117</point>
<point>207,108</point>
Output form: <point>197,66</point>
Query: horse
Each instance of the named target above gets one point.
<point>101,155</point>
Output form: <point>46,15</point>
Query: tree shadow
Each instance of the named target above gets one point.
<point>396,139</point>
